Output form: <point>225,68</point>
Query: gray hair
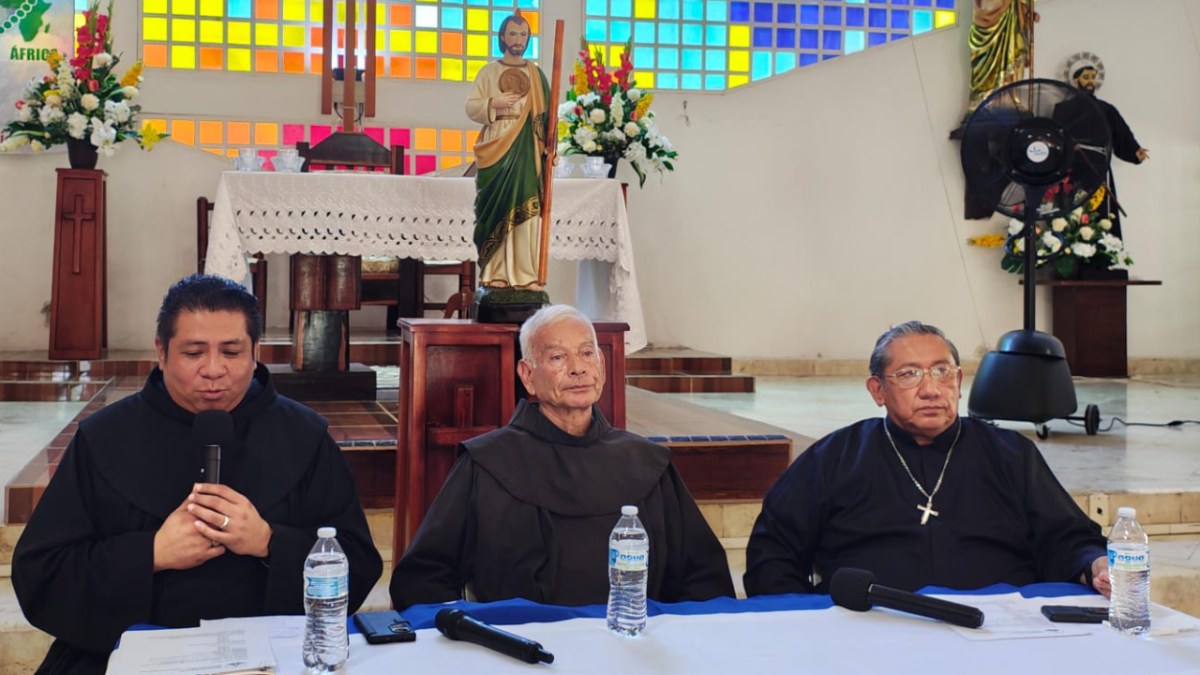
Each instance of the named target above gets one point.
<point>881,359</point>
<point>548,316</point>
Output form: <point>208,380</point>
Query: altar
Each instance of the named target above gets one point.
<point>425,218</point>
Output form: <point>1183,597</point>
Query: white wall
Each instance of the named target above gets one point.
<point>807,213</point>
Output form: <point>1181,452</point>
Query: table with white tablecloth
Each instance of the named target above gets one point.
<point>425,218</point>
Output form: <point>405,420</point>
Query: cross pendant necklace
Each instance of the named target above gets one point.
<point>926,510</point>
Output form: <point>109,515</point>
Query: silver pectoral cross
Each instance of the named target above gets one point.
<point>928,511</point>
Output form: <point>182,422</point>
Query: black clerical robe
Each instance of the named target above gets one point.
<point>83,569</point>
<point>847,502</point>
<point>527,510</point>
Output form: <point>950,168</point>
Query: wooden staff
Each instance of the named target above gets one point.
<point>551,144</point>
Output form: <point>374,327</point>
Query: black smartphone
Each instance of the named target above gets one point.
<point>382,627</point>
<point>1072,614</point>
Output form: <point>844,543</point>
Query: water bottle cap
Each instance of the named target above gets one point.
<point>1127,512</point>
<point>629,510</point>
<point>327,532</point>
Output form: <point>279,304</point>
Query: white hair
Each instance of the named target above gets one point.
<point>548,316</point>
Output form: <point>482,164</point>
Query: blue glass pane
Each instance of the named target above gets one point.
<point>831,40</point>
<point>596,30</point>
<point>786,13</point>
<point>498,17</point>
<point>854,16</point>
<point>714,81</point>
<point>643,32</point>
<point>739,11</point>
<point>622,8</point>
<point>620,31</point>
<point>810,15</point>
<point>717,10</point>
<point>879,2</point>
<point>903,3</point>
<point>922,3</point>
<point>452,18</point>
<point>808,39</point>
<point>714,36</point>
<point>527,4</point>
<point>760,65</point>
<point>763,12</point>
<point>876,39</point>
<point>714,59</point>
<point>854,2</point>
<point>239,9</point>
<point>900,19</point>
<point>485,3</point>
<point>693,10</point>
<point>945,4</point>
<point>691,81</point>
<point>807,59</point>
<point>785,61</point>
<point>854,41</point>
<point>877,18</point>
<point>785,38</point>
<point>669,9</point>
<point>922,22</point>
<point>832,16</point>
<point>762,37</point>
<point>535,47</point>
<point>692,59</point>
<point>668,58</point>
<point>667,81</point>
<point>643,57</point>
<point>826,57</point>
<point>898,36</point>
<point>693,34</point>
<point>597,7</point>
<point>668,33</point>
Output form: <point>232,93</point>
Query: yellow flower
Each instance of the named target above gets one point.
<point>1096,200</point>
<point>564,129</point>
<point>581,86</point>
<point>54,59</point>
<point>643,105</point>
<point>131,77</point>
<point>987,240</point>
<point>150,136</point>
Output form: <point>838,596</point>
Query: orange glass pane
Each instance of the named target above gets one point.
<point>212,132</point>
<point>314,63</point>
<point>452,140</point>
<point>219,152</point>
<point>231,152</point>
<point>293,62</point>
<point>315,36</point>
<point>266,61</point>
<point>424,139</point>
<point>212,58</point>
<point>158,124</point>
<point>426,68</point>
<point>451,161</point>
<point>534,21</point>
<point>472,138</point>
<point>452,43</point>
<point>154,56</point>
<point>401,66</point>
<point>266,133</point>
<point>269,9</point>
<point>183,131</point>
<point>379,67</point>
<point>402,15</point>
<point>239,133</point>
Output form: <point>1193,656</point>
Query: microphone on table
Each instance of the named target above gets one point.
<point>212,429</point>
<point>456,625</point>
<point>856,589</point>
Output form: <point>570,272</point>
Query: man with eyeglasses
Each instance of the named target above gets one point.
<point>921,496</point>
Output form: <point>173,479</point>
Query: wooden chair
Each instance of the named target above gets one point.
<point>258,264</point>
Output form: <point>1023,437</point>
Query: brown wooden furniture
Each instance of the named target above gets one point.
<point>258,263</point>
<point>1089,317</point>
<point>79,291</point>
<point>458,380</point>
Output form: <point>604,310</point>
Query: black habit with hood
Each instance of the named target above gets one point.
<point>83,569</point>
<point>527,510</point>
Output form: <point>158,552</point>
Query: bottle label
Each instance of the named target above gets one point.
<point>1128,561</point>
<point>628,558</point>
<point>326,587</point>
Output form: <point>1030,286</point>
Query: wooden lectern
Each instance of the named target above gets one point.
<point>1089,317</point>
<point>79,290</point>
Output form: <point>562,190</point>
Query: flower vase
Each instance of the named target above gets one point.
<point>81,153</point>
<point>612,168</point>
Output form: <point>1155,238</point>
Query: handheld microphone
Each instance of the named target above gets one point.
<point>212,429</point>
<point>856,589</point>
<point>456,625</point>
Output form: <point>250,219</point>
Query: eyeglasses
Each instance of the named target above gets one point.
<point>911,377</point>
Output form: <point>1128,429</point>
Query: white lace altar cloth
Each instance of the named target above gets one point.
<point>424,218</point>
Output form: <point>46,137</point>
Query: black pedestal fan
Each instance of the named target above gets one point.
<point>1023,139</point>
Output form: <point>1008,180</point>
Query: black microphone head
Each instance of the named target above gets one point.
<point>850,588</point>
<point>447,620</point>
<point>213,427</point>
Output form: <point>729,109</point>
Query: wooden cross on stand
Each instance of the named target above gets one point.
<point>350,64</point>
<point>79,214</point>
<point>464,407</point>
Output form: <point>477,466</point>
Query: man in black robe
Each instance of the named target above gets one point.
<point>125,534</point>
<point>922,496</point>
<point>527,510</point>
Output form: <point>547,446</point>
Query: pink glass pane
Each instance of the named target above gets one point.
<point>375,133</point>
<point>293,133</point>
<point>425,164</point>
<point>318,133</point>
<point>401,137</point>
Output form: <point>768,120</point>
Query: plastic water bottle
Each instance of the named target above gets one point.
<point>628,569</point>
<point>1129,569</point>
<point>326,596</point>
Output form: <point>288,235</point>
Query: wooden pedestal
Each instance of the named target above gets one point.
<point>79,290</point>
<point>458,380</point>
<point>1089,317</point>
